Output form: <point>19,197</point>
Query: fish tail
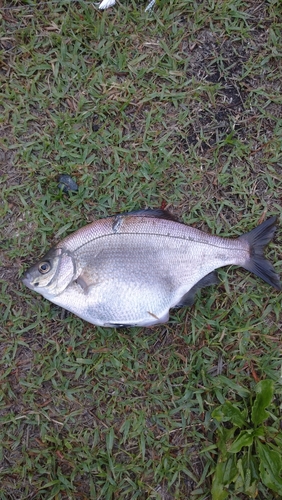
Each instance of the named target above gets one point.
<point>257,239</point>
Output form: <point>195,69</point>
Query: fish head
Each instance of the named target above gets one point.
<point>52,274</point>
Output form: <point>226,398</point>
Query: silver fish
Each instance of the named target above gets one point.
<point>132,268</point>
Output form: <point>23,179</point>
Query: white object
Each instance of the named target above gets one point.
<point>105,4</point>
<point>150,5</point>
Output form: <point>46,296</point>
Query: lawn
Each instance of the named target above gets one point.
<point>179,108</point>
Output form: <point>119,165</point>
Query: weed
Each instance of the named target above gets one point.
<point>250,448</point>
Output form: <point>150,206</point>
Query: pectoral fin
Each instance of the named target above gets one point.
<point>84,282</point>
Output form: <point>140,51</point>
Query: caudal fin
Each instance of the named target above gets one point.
<point>258,238</point>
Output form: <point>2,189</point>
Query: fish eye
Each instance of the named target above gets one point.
<point>44,267</point>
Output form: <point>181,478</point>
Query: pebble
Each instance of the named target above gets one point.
<point>67,183</point>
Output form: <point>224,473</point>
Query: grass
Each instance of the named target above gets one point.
<point>180,108</point>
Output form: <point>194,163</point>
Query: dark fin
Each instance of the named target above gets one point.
<point>148,212</point>
<point>189,298</point>
<point>117,325</point>
<point>258,238</point>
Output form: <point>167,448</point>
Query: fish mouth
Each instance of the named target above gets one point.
<point>27,281</point>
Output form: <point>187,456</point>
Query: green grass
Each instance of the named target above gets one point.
<point>180,107</point>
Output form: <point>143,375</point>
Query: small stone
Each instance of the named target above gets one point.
<point>66,183</point>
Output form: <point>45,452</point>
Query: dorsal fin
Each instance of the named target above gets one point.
<point>148,212</point>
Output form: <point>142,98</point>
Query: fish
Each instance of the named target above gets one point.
<point>130,269</point>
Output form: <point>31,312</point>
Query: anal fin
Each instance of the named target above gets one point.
<point>189,298</point>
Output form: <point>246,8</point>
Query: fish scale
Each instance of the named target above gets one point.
<point>131,269</point>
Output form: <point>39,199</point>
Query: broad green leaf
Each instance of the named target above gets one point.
<point>225,437</point>
<point>251,462</point>
<point>270,467</point>
<point>230,470</point>
<point>260,431</point>
<point>233,413</point>
<point>243,478</point>
<point>218,492</point>
<point>252,490</point>
<point>264,390</point>
<point>248,479</point>
<point>245,438</point>
<point>230,412</point>
<point>240,477</point>
<point>248,476</point>
<point>218,414</point>
<point>225,473</point>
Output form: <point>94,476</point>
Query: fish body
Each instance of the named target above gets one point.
<point>131,269</point>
